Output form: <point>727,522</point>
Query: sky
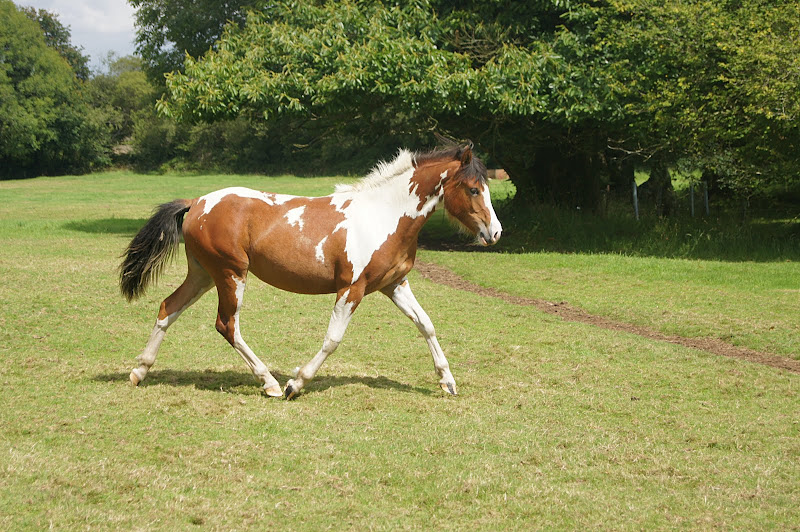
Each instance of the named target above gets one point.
<point>99,26</point>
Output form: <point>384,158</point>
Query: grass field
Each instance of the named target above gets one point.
<point>558,425</point>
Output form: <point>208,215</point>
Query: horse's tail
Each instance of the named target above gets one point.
<point>151,248</point>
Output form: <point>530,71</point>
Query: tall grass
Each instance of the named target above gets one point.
<point>724,236</point>
<point>765,234</point>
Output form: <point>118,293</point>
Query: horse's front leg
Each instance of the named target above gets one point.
<point>402,296</point>
<point>346,302</point>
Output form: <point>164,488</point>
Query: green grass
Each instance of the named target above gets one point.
<point>558,426</point>
<point>755,305</point>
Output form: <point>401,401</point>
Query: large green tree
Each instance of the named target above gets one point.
<point>59,37</point>
<point>46,126</point>
<point>561,93</point>
<point>711,83</point>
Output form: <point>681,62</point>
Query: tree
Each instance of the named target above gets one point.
<point>713,84</point>
<point>45,124</point>
<point>58,37</point>
<point>170,29</point>
<point>369,62</point>
<point>122,91</point>
<point>559,93</point>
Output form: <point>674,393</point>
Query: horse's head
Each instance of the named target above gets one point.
<point>467,201</point>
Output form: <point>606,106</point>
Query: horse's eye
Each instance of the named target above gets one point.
<point>474,191</point>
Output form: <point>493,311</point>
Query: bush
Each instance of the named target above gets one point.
<point>156,140</point>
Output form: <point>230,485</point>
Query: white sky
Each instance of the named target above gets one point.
<point>99,26</point>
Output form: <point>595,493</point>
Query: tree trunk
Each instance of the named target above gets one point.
<point>659,189</point>
<point>555,177</point>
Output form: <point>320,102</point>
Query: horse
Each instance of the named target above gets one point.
<point>358,240</point>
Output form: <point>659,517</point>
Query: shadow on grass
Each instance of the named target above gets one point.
<point>227,380</point>
<point>764,236</point>
<point>119,226</point>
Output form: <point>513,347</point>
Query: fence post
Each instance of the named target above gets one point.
<point>635,200</point>
<point>691,196</point>
<point>705,196</point>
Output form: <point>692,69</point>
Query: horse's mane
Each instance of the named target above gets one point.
<point>406,160</point>
<point>475,169</point>
<point>382,173</point>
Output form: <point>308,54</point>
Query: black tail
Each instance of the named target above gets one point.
<point>151,248</point>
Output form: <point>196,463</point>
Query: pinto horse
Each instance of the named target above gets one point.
<point>358,240</point>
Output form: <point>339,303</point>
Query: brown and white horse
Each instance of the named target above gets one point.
<point>358,240</point>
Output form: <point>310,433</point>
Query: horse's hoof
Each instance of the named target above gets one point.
<point>134,379</point>
<point>273,391</point>
<point>448,387</point>
<point>290,392</point>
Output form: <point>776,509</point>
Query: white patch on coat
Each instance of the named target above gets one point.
<point>240,286</point>
<point>295,216</point>
<point>494,224</point>
<point>280,199</point>
<point>377,203</point>
<point>318,249</point>
<point>340,318</point>
<point>338,199</point>
<point>213,198</point>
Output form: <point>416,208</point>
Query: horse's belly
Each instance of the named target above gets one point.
<point>294,265</point>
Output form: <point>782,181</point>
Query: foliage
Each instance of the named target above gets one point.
<point>58,37</point>
<point>556,92</point>
<point>714,83</point>
<point>155,139</point>
<point>122,92</point>
<point>170,29</point>
<point>353,61</point>
<point>45,123</point>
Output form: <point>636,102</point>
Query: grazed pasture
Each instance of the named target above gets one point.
<point>559,425</point>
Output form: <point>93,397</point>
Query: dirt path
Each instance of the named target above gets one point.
<point>441,275</point>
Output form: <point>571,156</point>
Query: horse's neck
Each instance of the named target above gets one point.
<point>425,190</point>
<point>414,193</point>
<point>428,182</point>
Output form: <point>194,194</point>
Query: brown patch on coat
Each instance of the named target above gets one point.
<point>246,233</point>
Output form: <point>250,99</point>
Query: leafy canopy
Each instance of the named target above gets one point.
<point>45,124</point>
<point>547,82</point>
<point>58,37</point>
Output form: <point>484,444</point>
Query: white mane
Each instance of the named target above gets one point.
<point>382,173</point>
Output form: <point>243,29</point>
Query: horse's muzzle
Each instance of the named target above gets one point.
<point>488,240</point>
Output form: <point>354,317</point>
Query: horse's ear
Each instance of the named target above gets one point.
<point>466,155</point>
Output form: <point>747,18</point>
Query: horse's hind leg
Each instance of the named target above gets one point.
<point>197,283</point>
<point>230,288</point>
